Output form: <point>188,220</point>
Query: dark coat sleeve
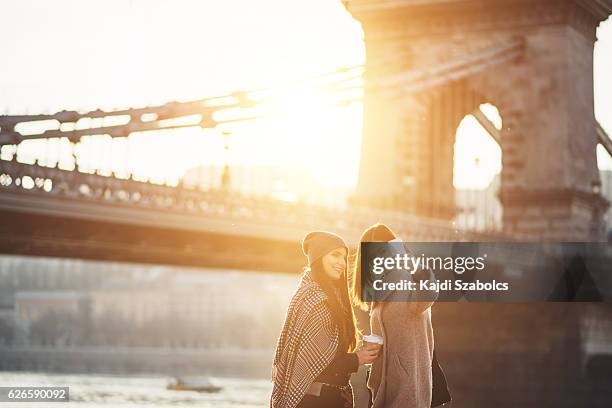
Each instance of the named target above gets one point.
<point>340,368</point>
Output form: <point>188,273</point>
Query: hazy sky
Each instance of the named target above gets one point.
<point>86,54</point>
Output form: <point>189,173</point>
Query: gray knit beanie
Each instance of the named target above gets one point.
<point>318,243</point>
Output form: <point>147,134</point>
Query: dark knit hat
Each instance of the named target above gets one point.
<point>318,243</point>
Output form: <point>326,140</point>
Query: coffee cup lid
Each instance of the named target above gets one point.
<point>373,338</point>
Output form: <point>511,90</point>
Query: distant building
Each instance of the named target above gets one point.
<point>288,184</point>
<point>48,317</point>
<point>134,306</point>
<point>31,306</point>
<point>138,305</point>
<point>7,323</point>
<point>479,209</point>
<point>7,314</point>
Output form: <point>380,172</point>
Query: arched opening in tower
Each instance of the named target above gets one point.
<point>477,166</point>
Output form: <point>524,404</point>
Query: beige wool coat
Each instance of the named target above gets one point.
<point>401,376</point>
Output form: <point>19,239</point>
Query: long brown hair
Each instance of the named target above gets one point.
<point>375,233</point>
<point>340,306</point>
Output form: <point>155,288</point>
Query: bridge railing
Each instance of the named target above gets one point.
<point>37,181</point>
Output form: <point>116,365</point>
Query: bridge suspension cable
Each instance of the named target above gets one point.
<point>159,117</point>
<point>604,138</point>
<point>341,86</point>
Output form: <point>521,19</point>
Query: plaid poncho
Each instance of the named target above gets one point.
<point>306,346</point>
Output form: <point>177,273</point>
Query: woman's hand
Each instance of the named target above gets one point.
<point>367,353</point>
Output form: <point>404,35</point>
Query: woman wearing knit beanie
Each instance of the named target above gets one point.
<point>315,354</point>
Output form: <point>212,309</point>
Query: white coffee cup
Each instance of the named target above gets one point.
<point>373,339</point>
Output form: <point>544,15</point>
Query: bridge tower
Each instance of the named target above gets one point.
<point>431,62</point>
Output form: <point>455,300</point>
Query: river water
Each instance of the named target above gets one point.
<point>93,391</point>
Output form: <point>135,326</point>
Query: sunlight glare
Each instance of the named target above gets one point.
<point>477,157</point>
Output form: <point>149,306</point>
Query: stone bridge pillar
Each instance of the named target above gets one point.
<point>545,97</point>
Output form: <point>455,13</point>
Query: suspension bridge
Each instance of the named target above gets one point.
<point>412,98</point>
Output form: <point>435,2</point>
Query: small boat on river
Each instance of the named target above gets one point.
<point>200,384</point>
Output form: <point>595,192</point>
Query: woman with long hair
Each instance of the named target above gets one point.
<point>316,351</point>
<point>404,375</point>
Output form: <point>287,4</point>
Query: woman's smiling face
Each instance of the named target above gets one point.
<point>334,263</point>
